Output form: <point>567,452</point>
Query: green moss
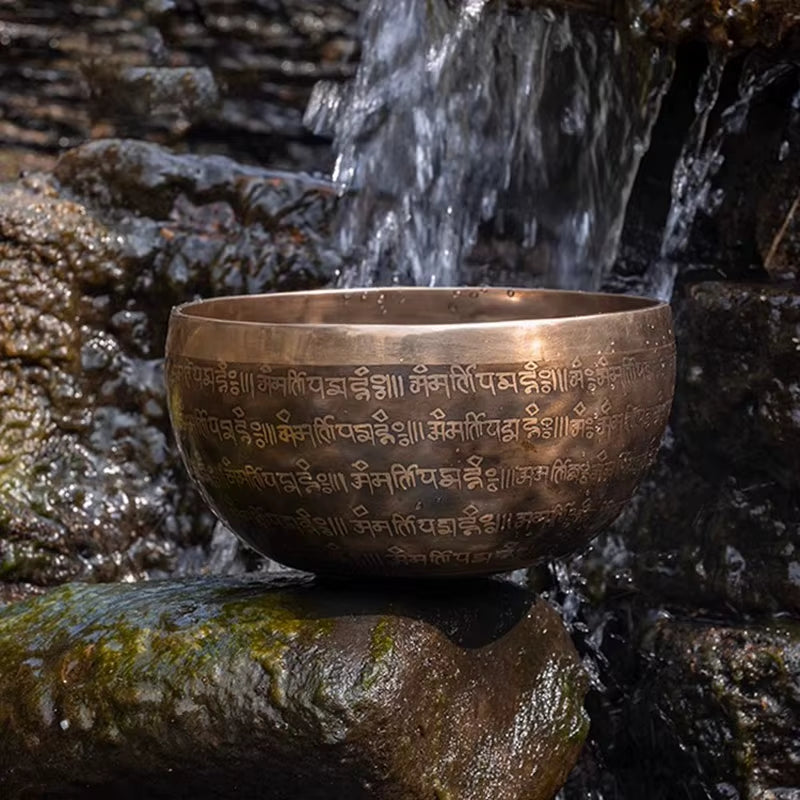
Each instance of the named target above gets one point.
<point>441,793</point>
<point>120,642</point>
<point>382,642</point>
<point>381,647</point>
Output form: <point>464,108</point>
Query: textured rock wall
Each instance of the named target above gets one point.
<point>229,76</point>
<point>690,602</point>
<point>90,484</point>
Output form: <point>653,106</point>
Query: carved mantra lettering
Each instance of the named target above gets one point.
<point>399,478</point>
<point>367,384</point>
<point>471,521</point>
<point>381,430</point>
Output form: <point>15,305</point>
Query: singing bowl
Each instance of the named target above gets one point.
<point>419,432</point>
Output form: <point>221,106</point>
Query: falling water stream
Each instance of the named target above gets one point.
<point>529,122</point>
<point>701,158</point>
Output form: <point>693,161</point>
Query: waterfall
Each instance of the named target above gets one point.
<point>700,160</point>
<point>529,123</point>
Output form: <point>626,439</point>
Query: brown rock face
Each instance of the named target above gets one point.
<point>234,74</point>
<point>90,487</point>
<point>287,689</point>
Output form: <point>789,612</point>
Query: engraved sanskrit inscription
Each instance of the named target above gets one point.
<point>429,461</point>
<point>362,383</point>
<point>471,522</point>
<point>382,430</point>
<point>399,477</point>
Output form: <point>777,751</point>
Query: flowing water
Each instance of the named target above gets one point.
<point>526,123</point>
<point>701,158</point>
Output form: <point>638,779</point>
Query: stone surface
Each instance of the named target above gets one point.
<point>284,688</point>
<point>722,704</point>
<point>715,529</point>
<point>228,74</point>
<point>728,23</point>
<point>728,546</point>
<point>716,524</point>
<point>725,23</point>
<point>90,486</point>
<point>740,400</point>
<point>689,708</point>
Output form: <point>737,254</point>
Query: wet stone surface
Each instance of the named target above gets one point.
<point>199,686</point>
<point>91,261</point>
<point>717,523</point>
<point>229,75</point>
<point>723,702</point>
<point>90,485</point>
<point>684,606</point>
<point>740,404</point>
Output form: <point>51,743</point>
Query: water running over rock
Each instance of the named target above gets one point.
<point>529,122</point>
<point>701,158</point>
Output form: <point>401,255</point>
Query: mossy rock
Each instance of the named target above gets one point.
<point>287,688</point>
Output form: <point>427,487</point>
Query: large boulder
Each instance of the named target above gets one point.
<point>283,688</point>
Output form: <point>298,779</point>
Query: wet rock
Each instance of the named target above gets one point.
<point>753,185</point>
<point>716,524</point>
<point>85,471</point>
<point>469,690</point>
<point>743,168</point>
<point>730,23</point>
<point>90,486</point>
<point>142,92</point>
<point>731,546</point>
<point>148,179</point>
<point>740,402</point>
<point>231,75</point>
<point>720,705</point>
<point>778,216</point>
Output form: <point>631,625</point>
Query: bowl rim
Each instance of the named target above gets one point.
<point>640,306</point>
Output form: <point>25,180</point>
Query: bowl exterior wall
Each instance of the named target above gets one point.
<point>420,450</point>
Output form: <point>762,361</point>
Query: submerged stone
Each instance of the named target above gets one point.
<point>287,688</point>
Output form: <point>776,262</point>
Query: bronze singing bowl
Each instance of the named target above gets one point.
<point>419,432</point>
